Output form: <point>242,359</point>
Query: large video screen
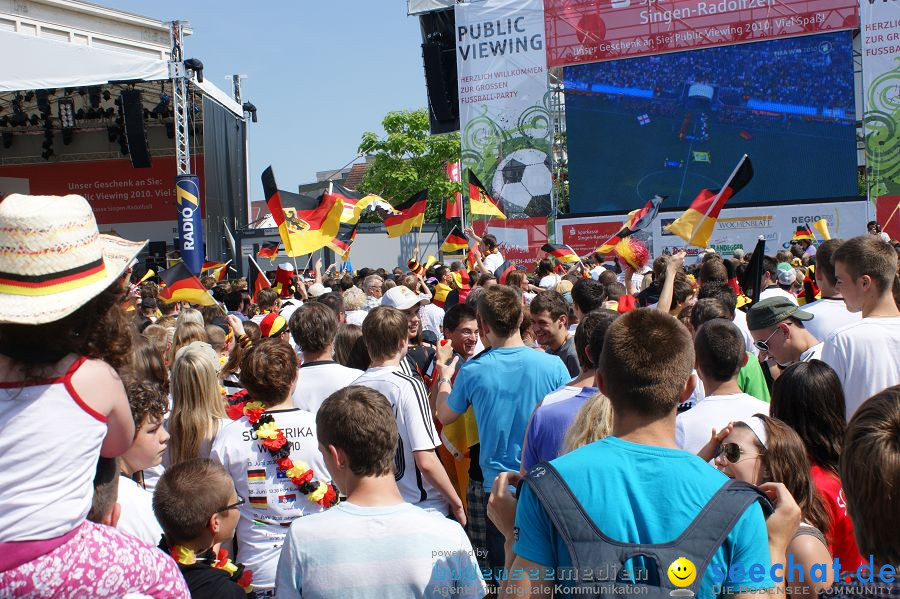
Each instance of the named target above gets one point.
<point>676,123</point>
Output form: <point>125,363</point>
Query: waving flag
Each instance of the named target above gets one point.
<point>695,226</point>
<point>355,203</point>
<point>305,224</point>
<point>456,241</point>
<point>256,279</point>
<point>343,240</point>
<point>410,214</point>
<point>563,253</point>
<point>503,270</point>
<point>637,220</point>
<point>182,286</point>
<point>480,201</point>
<point>269,250</point>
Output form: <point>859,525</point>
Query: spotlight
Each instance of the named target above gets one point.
<point>66,113</point>
<point>249,107</point>
<point>43,100</point>
<point>195,65</point>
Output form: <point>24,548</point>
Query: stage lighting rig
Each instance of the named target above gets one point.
<point>66,108</point>
<point>194,64</point>
<point>250,108</point>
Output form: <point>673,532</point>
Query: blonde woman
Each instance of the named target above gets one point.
<point>198,409</point>
<point>592,423</point>
<point>185,334</point>
<point>189,315</point>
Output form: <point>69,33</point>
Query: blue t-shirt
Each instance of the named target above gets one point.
<point>503,385</point>
<point>643,494</point>
<point>550,421</point>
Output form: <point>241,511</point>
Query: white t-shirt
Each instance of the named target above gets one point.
<point>409,400</point>
<point>696,396</point>
<point>354,551</point>
<point>493,261</point>
<point>549,281</point>
<point>829,316</point>
<point>694,427</point>
<point>813,353</point>
<point>740,321</point>
<point>137,518</point>
<point>271,499</point>
<point>432,318</point>
<point>866,357</point>
<point>317,380</point>
<point>776,292</point>
<point>355,316</point>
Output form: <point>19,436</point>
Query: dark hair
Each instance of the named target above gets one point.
<point>384,331</point>
<point>98,330</point>
<point>712,269</point>
<point>187,495</point>
<point>708,309</point>
<point>588,295</point>
<point>598,334</point>
<point>646,361</point>
<point>268,370</point>
<point>583,333</point>
<point>500,309</point>
<point>456,315</point>
<point>147,364</point>
<point>333,300</point>
<point>606,278</point>
<point>313,327</point>
<point>544,267</point>
<point>233,301</point>
<point>147,401</point>
<point>809,398</point>
<point>266,298</point>
<point>720,348</point>
<point>489,241</point>
<point>106,487</point>
<point>769,265</point>
<point>681,289</point>
<point>870,475</point>
<point>549,301</point>
<point>346,336</point>
<point>721,291</point>
<point>615,291</point>
<point>360,421</point>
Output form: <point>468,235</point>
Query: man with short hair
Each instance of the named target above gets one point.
<point>830,312</point>
<point>587,295</point>
<point>720,355</point>
<point>865,354</point>
<point>335,301</point>
<point>420,474</point>
<point>313,327</point>
<point>268,301</point>
<point>550,323</point>
<point>503,385</point>
<point>778,329</point>
<point>374,544</point>
<point>721,290</point>
<point>772,277</point>
<point>234,303</point>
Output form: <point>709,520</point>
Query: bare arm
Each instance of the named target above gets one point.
<point>318,268</point>
<point>98,385</point>
<point>433,470</point>
<point>668,288</point>
<point>629,283</point>
<point>442,387</point>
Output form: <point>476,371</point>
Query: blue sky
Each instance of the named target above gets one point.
<point>319,73</point>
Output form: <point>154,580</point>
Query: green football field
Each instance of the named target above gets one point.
<point>615,163</point>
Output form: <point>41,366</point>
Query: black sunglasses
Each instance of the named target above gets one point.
<point>764,345</point>
<point>733,452</point>
<point>236,504</point>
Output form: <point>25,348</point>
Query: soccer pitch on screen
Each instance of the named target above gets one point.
<point>674,124</point>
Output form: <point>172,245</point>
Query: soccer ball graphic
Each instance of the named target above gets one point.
<point>523,182</point>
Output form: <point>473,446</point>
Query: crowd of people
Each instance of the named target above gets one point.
<point>361,434</point>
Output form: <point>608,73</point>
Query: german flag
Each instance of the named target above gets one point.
<point>695,226</point>
<point>269,251</point>
<point>256,279</point>
<point>563,253</point>
<point>637,220</point>
<point>480,202</point>
<point>503,270</point>
<point>470,260</point>
<point>410,214</point>
<point>343,240</point>
<point>441,291</point>
<point>212,266</point>
<point>305,224</point>
<point>182,286</point>
<point>355,203</point>
<point>456,241</point>
<point>803,232</point>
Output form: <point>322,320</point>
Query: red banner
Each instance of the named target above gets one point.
<point>520,239</point>
<point>580,31</point>
<point>888,215</point>
<point>118,192</point>
<point>584,238</point>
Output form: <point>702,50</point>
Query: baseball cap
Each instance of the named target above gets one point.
<point>317,289</point>
<point>272,325</point>
<point>402,298</point>
<point>787,277</point>
<point>773,310</point>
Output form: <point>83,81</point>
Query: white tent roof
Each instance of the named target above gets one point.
<point>37,63</point>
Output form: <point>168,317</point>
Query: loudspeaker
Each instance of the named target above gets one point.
<point>135,134</point>
<point>439,60</point>
<point>157,249</point>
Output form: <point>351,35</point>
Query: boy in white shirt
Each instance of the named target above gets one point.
<point>865,354</point>
<point>374,544</point>
<point>830,312</point>
<point>719,348</point>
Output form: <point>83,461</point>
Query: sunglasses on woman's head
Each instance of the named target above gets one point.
<point>733,452</point>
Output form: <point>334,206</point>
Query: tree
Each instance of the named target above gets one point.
<point>409,159</point>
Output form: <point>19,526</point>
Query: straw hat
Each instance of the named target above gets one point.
<point>53,259</point>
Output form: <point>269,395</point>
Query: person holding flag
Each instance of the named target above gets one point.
<point>456,241</point>
<point>487,257</point>
<point>480,201</point>
<point>305,224</point>
<point>409,215</point>
<point>804,237</point>
<point>637,220</point>
<point>182,286</point>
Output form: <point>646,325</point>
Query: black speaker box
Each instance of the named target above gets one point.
<point>439,59</point>
<point>157,249</point>
<point>135,133</point>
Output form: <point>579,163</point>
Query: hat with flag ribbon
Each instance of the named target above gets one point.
<point>53,259</point>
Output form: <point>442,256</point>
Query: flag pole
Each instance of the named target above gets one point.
<point>583,267</point>
<point>715,201</point>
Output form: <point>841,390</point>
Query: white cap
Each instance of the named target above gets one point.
<point>787,277</point>
<point>317,289</point>
<point>402,298</point>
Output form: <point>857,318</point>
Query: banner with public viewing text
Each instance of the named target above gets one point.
<point>880,28</point>
<point>504,105</point>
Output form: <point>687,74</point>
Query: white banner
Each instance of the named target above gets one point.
<point>880,29</point>
<point>504,104</point>
<point>736,228</point>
